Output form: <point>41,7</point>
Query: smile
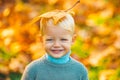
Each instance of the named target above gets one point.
<point>56,51</point>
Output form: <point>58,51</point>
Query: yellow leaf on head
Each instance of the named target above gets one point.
<point>56,15</point>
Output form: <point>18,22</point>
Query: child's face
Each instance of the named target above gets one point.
<point>57,41</point>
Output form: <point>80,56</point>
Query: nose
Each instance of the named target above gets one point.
<point>56,44</point>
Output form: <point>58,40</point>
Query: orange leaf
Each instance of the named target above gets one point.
<point>56,15</point>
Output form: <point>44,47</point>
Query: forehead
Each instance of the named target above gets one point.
<point>56,31</point>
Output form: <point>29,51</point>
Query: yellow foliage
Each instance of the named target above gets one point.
<point>6,12</point>
<point>105,74</point>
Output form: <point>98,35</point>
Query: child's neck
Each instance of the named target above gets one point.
<point>62,60</point>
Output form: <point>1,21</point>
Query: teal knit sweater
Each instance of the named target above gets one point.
<point>43,69</point>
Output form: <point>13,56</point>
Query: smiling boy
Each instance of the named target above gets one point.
<point>57,38</point>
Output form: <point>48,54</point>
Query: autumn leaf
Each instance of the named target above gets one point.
<point>56,15</point>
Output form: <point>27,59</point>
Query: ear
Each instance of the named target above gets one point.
<point>40,38</point>
<point>74,38</point>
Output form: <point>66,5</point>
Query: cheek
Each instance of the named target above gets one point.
<point>47,45</point>
<point>67,45</point>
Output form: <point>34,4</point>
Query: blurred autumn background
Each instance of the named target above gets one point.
<point>98,36</point>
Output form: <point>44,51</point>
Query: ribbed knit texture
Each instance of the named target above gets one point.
<point>42,69</point>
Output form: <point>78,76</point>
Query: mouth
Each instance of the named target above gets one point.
<point>56,51</point>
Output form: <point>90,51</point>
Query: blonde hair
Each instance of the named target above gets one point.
<point>66,21</point>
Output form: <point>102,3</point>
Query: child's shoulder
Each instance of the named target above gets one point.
<point>76,62</point>
<point>36,63</point>
<point>78,65</point>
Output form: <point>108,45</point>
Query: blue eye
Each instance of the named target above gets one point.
<point>64,39</point>
<point>49,39</point>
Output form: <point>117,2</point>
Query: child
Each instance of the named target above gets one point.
<point>57,30</point>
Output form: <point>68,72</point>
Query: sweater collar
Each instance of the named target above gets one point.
<point>64,59</point>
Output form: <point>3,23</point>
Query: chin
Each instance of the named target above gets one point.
<point>57,56</point>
